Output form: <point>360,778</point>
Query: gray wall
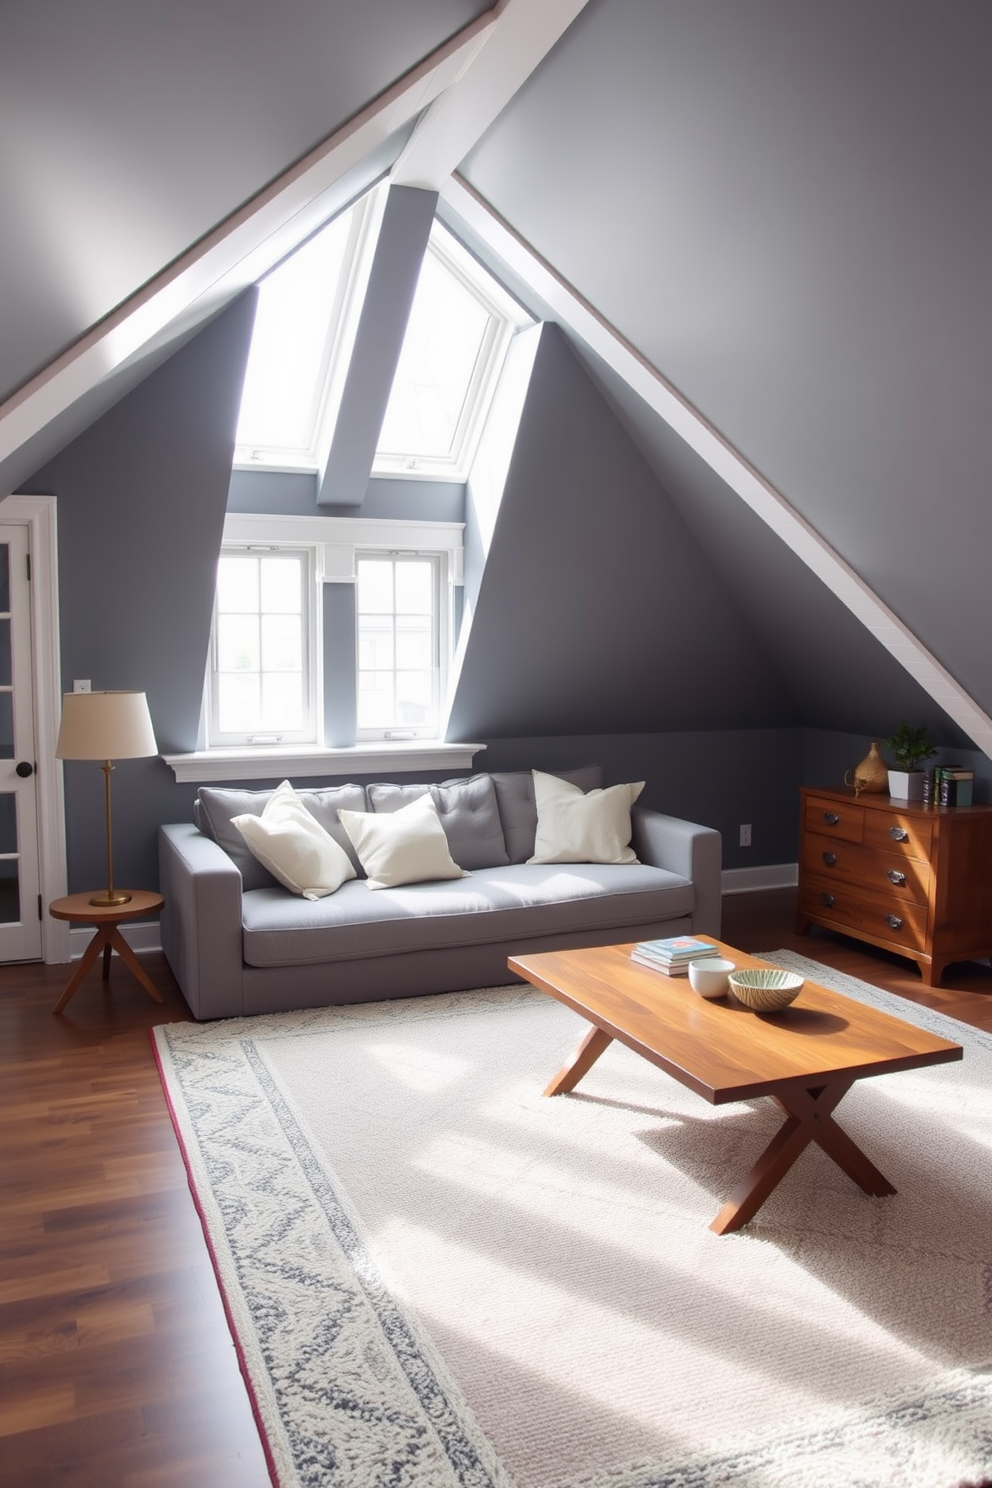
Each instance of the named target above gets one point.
<point>141,500</point>
<point>599,612</point>
<point>786,208</point>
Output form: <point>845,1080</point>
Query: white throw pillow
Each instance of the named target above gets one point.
<point>295,848</point>
<point>401,847</point>
<point>573,827</point>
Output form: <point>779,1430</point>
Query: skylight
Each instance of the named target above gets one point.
<point>460,326</point>
<point>301,307</point>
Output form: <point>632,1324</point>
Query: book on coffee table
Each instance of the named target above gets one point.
<point>672,954</point>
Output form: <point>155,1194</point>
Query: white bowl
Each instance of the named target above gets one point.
<point>710,977</point>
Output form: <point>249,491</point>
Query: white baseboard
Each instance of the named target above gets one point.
<point>770,876</point>
<point>140,937</point>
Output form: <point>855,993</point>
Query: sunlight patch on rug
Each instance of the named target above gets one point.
<point>435,1276</point>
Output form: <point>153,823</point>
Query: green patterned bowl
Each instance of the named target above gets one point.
<point>765,990</point>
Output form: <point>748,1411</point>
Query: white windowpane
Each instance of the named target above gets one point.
<point>414,588</point>
<point>375,700</point>
<point>238,643</point>
<point>414,699</point>
<point>282,644</point>
<point>282,585</point>
<point>444,338</point>
<point>282,702</point>
<point>375,644</point>
<point>237,583</point>
<point>239,703</point>
<point>414,644</point>
<point>287,359</point>
<point>375,586</point>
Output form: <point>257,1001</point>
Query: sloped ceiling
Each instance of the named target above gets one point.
<point>785,208</point>
<point>128,131</point>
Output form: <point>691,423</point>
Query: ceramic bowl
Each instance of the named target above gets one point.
<point>765,989</point>
<point>709,977</point>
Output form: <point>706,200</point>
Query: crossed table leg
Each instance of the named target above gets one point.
<point>809,1118</point>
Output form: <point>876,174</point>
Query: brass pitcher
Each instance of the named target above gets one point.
<point>871,775</point>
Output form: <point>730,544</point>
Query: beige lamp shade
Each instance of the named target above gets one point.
<point>105,726</point>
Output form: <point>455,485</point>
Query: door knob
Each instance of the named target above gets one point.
<point>24,769</point>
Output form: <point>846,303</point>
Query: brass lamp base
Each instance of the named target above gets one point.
<point>107,901</point>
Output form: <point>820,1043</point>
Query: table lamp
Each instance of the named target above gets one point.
<point>106,726</point>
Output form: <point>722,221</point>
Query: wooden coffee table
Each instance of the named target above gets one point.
<point>804,1058</point>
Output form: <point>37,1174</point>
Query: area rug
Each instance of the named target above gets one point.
<point>438,1279</point>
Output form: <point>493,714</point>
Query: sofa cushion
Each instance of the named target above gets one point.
<point>518,808</point>
<point>401,847</point>
<point>290,842</point>
<point>575,826</point>
<point>217,806</point>
<point>468,813</point>
<point>492,905</point>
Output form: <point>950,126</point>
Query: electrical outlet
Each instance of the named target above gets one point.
<point>81,686</point>
<point>745,834</point>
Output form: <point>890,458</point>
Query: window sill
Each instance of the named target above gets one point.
<point>368,758</point>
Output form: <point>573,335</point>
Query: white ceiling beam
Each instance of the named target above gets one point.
<point>524,33</point>
<point>237,252</point>
<point>770,505</point>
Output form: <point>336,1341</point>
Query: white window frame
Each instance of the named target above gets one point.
<point>442,642</point>
<point>335,542</point>
<point>312,658</point>
<point>338,346</point>
<point>507,317</point>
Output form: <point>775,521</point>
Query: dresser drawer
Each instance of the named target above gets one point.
<point>896,833</point>
<point>852,908</point>
<point>843,819</point>
<point>886,873</point>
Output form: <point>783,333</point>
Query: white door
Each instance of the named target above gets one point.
<point>20,905</point>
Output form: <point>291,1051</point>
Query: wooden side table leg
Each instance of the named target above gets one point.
<point>130,960</point>
<point>100,942</point>
<point>107,953</point>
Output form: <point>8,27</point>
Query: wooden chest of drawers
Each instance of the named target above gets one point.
<point>914,879</point>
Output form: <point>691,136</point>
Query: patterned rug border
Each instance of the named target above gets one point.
<point>358,1394</point>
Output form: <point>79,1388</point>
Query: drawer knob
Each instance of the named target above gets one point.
<point>894,876</point>
<point>831,818</point>
<point>828,900</point>
<point>898,834</point>
<point>830,859</point>
<point>893,922</point>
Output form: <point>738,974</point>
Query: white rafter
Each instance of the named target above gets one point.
<point>769,504</point>
<point>238,251</point>
<point>524,33</point>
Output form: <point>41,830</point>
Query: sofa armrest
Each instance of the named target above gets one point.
<point>201,920</point>
<point>690,850</point>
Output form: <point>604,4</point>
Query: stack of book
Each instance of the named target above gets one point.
<point>948,785</point>
<point>673,954</point>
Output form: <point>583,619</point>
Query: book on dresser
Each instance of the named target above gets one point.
<point>672,954</point>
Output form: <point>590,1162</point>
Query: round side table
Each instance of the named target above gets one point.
<point>105,920</point>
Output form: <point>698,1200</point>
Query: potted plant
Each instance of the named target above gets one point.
<point>911,747</point>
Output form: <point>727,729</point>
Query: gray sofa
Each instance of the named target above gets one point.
<point>239,943</point>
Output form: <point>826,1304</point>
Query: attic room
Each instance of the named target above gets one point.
<point>717,521</point>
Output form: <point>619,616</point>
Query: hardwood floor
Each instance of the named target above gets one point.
<point>116,1365</point>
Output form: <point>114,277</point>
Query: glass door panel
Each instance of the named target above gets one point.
<point>20,905</point>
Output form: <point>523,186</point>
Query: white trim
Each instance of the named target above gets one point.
<point>523,35</point>
<point>373,757</point>
<point>568,307</point>
<point>38,514</point>
<point>240,250</point>
<point>768,876</point>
